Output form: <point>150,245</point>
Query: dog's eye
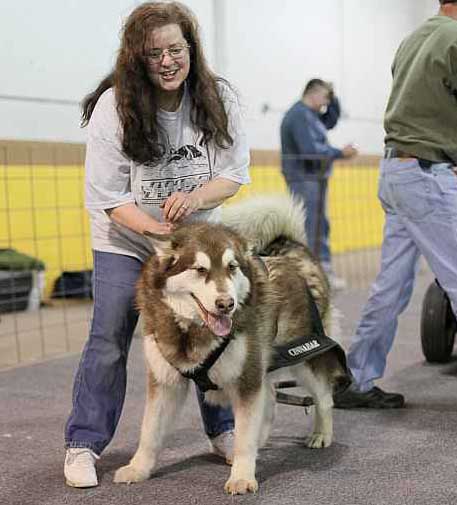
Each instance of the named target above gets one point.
<point>232,267</point>
<point>202,270</point>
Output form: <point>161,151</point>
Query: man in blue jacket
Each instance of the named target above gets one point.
<point>307,159</point>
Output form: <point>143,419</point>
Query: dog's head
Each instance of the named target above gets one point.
<point>203,273</point>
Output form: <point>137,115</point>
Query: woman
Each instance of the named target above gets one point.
<point>164,146</point>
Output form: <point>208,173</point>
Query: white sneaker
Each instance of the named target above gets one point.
<point>79,468</point>
<point>222,445</point>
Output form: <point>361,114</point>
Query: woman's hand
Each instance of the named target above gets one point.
<point>160,228</point>
<point>179,205</point>
<point>135,219</point>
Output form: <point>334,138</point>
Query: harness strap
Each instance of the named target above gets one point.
<point>305,348</point>
<point>200,374</point>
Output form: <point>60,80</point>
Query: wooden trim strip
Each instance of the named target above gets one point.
<point>21,152</point>
<point>264,157</point>
<point>24,152</point>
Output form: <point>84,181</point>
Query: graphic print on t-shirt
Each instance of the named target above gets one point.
<point>184,168</point>
<point>189,152</point>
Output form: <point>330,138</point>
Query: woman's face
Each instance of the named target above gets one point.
<point>167,57</point>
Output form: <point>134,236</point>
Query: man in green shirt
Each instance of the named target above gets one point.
<point>418,191</point>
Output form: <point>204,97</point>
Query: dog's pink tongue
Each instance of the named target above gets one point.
<point>220,326</point>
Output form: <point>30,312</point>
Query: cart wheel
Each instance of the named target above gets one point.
<point>438,325</point>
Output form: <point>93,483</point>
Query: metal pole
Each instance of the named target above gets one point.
<point>220,36</point>
<point>320,209</point>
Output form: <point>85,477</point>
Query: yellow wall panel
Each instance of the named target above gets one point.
<point>20,224</point>
<point>44,192</point>
<point>46,223</point>
<point>42,215</point>
<point>42,212</point>
<point>19,192</point>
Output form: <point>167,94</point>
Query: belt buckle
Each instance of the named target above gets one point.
<point>389,152</point>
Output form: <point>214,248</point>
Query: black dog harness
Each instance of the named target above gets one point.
<point>200,374</point>
<point>294,352</point>
<point>306,348</point>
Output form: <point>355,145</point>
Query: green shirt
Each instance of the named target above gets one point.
<point>421,115</point>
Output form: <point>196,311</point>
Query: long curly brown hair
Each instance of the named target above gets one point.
<point>136,97</point>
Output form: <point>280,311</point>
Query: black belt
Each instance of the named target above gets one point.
<point>393,152</point>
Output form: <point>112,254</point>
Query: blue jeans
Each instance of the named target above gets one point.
<point>420,218</point>
<point>100,382</point>
<point>311,190</point>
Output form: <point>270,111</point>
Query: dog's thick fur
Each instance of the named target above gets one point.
<point>205,284</point>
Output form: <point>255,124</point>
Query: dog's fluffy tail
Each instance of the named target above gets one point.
<point>263,219</point>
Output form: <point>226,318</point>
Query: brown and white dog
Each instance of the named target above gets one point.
<point>204,285</point>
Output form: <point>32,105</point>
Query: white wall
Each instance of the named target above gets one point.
<point>276,47</point>
<point>427,8</point>
<point>54,52</point>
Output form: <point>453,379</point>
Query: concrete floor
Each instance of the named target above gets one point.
<point>403,457</point>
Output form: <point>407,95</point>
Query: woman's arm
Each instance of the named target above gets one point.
<point>130,216</point>
<point>107,184</point>
<point>209,196</point>
<point>215,192</point>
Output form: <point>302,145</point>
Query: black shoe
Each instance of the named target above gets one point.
<point>375,398</point>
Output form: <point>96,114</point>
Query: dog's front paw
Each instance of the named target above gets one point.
<point>129,474</point>
<point>318,440</point>
<point>241,486</point>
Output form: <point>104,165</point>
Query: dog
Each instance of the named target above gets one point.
<point>205,287</point>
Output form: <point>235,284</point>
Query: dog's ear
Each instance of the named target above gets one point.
<point>162,244</point>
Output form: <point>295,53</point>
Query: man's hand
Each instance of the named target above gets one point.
<point>331,91</point>
<point>349,151</point>
<point>179,205</point>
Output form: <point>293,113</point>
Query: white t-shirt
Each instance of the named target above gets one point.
<point>112,179</point>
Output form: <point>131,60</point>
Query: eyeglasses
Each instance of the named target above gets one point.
<point>175,53</point>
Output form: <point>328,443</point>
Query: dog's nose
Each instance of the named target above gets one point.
<point>225,303</point>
